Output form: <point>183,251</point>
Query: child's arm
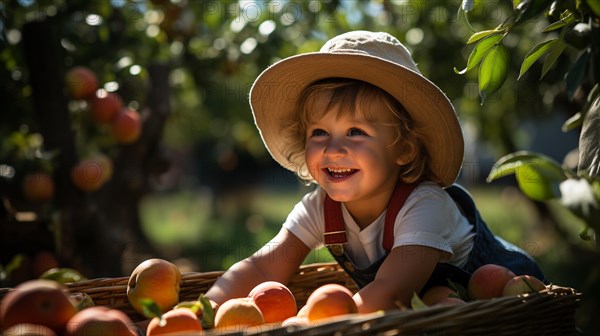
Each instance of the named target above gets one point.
<point>404,272</point>
<point>277,260</point>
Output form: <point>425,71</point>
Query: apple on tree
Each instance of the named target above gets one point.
<point>91,173</point>
<point>127,126</point>
<point>81,82</point>
<point>104,106</point>
<point>38,187</point>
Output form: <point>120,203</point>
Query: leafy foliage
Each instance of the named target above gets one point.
<point>538,176</point>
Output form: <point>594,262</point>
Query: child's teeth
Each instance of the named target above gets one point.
<point>337,170</point>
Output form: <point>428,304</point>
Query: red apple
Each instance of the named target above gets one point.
<point>100,320</point>
<point>41,302</point>
<point>275,300</point>
<point>437,293</point>
<point>488,281</point>
<point>90,174</point>
<point>330,300</point>
<point>105,106</point>
<point>38,187</point>
<point>81,82</point>
<point>523,284</point>
<point>127,126</point>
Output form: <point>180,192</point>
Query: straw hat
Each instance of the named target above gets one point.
<point>374,57</point>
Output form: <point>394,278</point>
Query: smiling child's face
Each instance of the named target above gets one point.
<point>354,158</point>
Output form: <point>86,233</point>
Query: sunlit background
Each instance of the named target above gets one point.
<point>200,189</point>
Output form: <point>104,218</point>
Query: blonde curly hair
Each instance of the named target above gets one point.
<point>346,94</point>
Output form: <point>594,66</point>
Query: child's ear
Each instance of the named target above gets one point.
<point>407,151</point>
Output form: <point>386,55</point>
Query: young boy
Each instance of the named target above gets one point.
<point>384,146</point>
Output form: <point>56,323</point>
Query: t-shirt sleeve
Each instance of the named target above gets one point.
<point>429,218</point>
<point>305,220</point>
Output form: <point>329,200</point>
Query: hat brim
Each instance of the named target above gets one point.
<point>275,92</point>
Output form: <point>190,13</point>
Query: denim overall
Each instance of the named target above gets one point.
<point>487,249</point>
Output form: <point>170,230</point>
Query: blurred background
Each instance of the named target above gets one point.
<point>196,185</point>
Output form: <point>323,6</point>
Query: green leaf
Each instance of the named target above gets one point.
<point>493,71</point>
<point>460,290</point>
<point>508,164</point>
<point>416,303</point>
<point>572,123</point>
<point>538,175</point>
<point>208,313</point>
<point>584,234</point>
<point>594,6</point>
<point>527,9</point>
<point>482,34</point>
<point>150,309</point>
<point>555,51</point>
<point>534,54</point>
<point>62,275</point>
<point>577,73</point>
<point>577,119</point>
<point>14,264</point>
<point>539,179</point>
<point>564,21</point>
<point>479,52</point>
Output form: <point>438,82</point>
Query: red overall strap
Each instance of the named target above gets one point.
<point>396,203</point>
<point>335,229</point>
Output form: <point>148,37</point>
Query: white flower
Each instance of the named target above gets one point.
<point>578,193</point>
<point>467,5</point>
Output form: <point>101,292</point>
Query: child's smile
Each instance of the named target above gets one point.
<point>354,159</point>
<point>339,174</point>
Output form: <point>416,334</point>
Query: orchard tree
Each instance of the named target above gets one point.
<point>87,98</point>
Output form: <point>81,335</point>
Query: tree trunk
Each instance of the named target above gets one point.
<point>96,229</point>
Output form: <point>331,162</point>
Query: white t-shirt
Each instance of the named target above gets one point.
<point>429,217</point>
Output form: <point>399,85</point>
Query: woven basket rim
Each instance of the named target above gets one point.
<point>549,312</point>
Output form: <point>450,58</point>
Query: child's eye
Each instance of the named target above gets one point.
<point>355,131</point>
<point>318,132</point>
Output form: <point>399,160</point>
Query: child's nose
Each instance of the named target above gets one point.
<point>335,147</point>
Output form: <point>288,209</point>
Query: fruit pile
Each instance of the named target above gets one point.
<point>45,307</point>
<point>487,282</point>
<point>106,110</point>
<point>106,116</point>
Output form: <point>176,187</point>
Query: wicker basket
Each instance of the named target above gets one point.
<point>550,312</point>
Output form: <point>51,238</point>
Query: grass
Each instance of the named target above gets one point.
<point>237,225</point>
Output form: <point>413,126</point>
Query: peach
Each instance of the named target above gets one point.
<point>105,163</point>
<point>437,293</point>
<point>240,312</point>
<point>303,311</point>
<point>296,321</point>
<point>275,301</point>
<point>127,126</point>
<point>39,301</point>
<point>88,175</point>
<point>154,279</point>
<point>81,82</point>
<point>105,106</point>
<point>42,262</point>
<point>523,284</point>
<point>38,187</point>
<point>449,301</point>
<point>180,321</point>
<point>330,300</point>
<point>488,281</point>
<point>100,320</point>
<point>28,329</point>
